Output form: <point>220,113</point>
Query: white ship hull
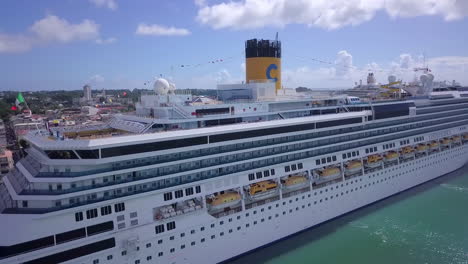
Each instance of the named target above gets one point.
<point>201,237</point>
<point>221,248</point>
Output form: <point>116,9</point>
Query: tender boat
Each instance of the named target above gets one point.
<point>421,148</point>
<point>295,181</point>
<point>373,161</point>
<point>445,142</point>
<point>407,152</point>
<point>353,167</point>
<point>223,200</point>
<point>434,146</point>
<point>391,156</point>
<point>327,174</point>
<point>262,190</point>
<point>465,137</point>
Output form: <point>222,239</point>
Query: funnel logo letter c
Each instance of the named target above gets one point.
<point>268,72</point>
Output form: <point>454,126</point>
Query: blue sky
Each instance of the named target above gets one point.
<point>123,44</point>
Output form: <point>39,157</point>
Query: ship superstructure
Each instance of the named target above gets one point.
<point>198,180</point>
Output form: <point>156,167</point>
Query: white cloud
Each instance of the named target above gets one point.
<point>14,43</point>
<point>344,63</point>
<point>106,41</point>
<point>96,79</point>
<point>51,29</point>
<point>200,2</point>
<point>328,14</point>
<point>159,30</point>
<point>111,4</point>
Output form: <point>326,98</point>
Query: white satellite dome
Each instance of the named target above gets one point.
<point>430,76</point>
<point>172,87</point>
<point>391,78</point>
<point>423,78</point>
<point>161,86</point>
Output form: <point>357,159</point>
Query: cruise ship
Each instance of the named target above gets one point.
<point>192,179</point>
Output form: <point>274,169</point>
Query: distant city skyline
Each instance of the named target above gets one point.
<point>115,44</point>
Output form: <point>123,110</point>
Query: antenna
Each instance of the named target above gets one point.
<point>277,36</point>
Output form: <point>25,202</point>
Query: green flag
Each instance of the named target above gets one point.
<point>19,99</point>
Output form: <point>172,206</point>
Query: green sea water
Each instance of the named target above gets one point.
<point>427,224</point>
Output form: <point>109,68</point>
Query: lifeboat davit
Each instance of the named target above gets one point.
<point>353,167</point>
<point>223,200</point>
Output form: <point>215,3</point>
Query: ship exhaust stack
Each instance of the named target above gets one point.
<point>263,61</point>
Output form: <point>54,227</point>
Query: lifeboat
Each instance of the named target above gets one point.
<point>374,161</point>
<point>421,148</point>
<point>456,138</point>
<point>391,156</point>
<point>262,190</point>
<point>465,137</point>
<point>223,200</point>
<point>294,181</point>
<point>434,146</point>
<point>328,174</point>
<point>407,152</point>
<point>352,167</point>
<point>445,142</point>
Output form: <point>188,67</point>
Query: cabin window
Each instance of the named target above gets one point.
<point>92,213</point>
<point>159,229</point>
<point>167,196</point>
<point>171,225</point>
<point>179,193</point>
<point>119,207</point>
<point>189,191</point>
<point>259,175</point>
<point>79,216</point>
<point>251,177</point>
<point>106,210</point>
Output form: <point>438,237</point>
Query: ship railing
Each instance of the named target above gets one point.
<point>181,111</point>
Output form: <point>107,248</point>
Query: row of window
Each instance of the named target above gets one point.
<point>371,150</point>
<point>260,174</point>
<point>180,193</point>
<point>325,160</point>
<point>389,145</point>
<point>105,210</point>
<point>351,154</point>
<point>418,139</point>
<point>404,142</point>
<point>293,167</point>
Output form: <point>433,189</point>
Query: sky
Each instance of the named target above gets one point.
<point>117,44</point>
